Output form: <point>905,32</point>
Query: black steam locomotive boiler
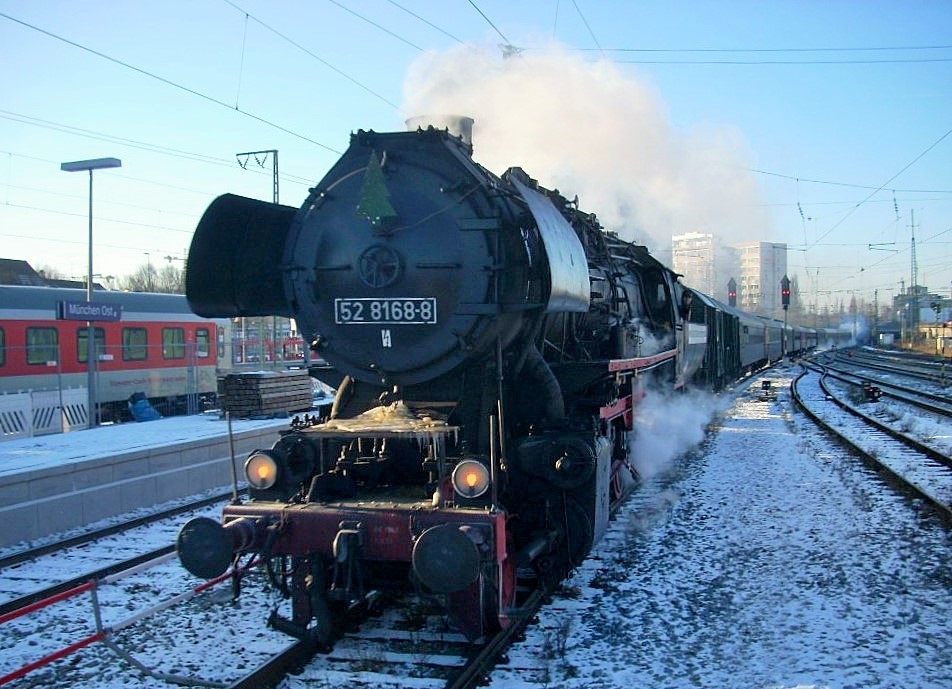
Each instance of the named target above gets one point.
<point>489,343</point>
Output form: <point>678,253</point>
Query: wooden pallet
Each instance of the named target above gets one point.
<point>265,393</point>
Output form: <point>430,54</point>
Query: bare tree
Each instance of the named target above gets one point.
<point>171,279</point>
<point>144,279</point>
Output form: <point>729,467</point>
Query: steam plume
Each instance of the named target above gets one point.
<point>590,129</point>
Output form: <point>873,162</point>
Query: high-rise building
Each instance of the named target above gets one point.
<point>762,267</point>
<point>706,263</point>
<point>692,255</point>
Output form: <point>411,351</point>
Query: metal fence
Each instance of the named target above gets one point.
<point>28,414</point>
<point>185,376</point>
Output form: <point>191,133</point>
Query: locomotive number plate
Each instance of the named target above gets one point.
<point>391,311</point>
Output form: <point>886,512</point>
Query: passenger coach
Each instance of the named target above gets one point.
<point>156,346</point>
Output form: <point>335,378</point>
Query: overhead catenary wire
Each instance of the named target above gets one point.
<point>883,186</point>
<point>848,184</point>
<point>587,26</point>
<point>840,49</point>
<point>318,57</point>
<point>169,82</point>
<point>373,23</point>
<point>241,65</point>
<point>771,63</point>
<point>425,21</point>
<point>131,143</point>
<point>777,51</point>
<point>97,217</point>
<point>489,21</point>
<point>50,192</point>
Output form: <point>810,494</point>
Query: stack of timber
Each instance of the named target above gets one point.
<point>265,393</point>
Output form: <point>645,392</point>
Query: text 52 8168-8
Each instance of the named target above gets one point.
<point>393,311</point>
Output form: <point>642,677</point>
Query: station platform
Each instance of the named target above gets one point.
<point>54,483</point>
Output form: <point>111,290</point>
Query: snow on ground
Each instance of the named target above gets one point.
<point>210,637</point>
<point>768,560</point>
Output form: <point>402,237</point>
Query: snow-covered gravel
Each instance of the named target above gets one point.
<point>926,427</point>
<point>770,559</point>
<point>209,637</point>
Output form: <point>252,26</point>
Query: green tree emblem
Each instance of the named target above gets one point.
<point>374,201</point>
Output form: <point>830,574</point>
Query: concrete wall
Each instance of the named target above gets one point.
<point>38,503</point>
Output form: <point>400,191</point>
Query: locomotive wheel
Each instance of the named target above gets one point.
<point>618,481</point>
<point>578,533</point>
<point>573,526</point>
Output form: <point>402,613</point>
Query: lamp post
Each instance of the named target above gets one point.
<point>81,166</point>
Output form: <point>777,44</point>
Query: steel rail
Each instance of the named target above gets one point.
<point>943,509</point>
<point>478,667</point>
<point>25,600</point>
<point>908,441</point>
<point>96,534</point>
<point>940,404</point>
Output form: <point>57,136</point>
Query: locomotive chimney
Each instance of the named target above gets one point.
<point>457,125</point>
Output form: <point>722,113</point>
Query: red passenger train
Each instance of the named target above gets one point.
<point>157,347</point>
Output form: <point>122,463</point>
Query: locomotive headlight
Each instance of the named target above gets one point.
<point>471,478</point>
<point>261,470</point>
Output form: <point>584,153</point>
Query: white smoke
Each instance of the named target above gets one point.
<point>668,425</point>
<point>590,129</point>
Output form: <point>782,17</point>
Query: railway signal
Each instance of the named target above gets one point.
<point>732,292</point>
<point>785,292</point>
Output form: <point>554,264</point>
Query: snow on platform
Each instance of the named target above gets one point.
<point>57,482</point>
<point>31,454</point>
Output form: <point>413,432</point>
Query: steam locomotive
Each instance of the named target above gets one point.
<point>489,344</point>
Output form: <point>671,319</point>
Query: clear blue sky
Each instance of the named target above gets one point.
<point>774,121</point>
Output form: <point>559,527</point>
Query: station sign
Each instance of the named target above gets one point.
<point>88,311</point>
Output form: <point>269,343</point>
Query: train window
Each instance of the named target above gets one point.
<point>221,342</point>
<point>173,343</point>
<point>82,345</point>
<point>657,299</point>
<point>3,347</point>
<point>203,343</point>
<point>42,345</point>
<point>135,344</point>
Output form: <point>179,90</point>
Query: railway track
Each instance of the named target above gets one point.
<point>918,468</point>
<point>403,647</point>
<point>938,373</point>
<point>935,403</point>
<point>37,573</point>
<point>400,644</point>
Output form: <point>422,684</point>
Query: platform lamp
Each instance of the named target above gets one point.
<point>81,166</point>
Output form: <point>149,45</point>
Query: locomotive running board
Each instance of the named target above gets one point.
<point>641,363</point>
